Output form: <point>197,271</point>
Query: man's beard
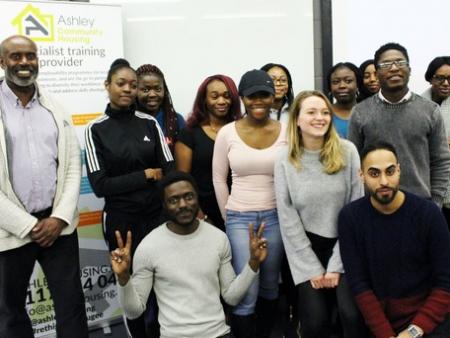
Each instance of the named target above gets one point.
<point>384,199</point>
<point>178,219</point>
<point>22,82</point>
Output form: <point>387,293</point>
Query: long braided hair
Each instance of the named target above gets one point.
<point>170,115</point>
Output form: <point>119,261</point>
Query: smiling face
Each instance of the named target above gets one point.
<point>343,85</point>
<point>258,105</point>
<point>150,92</point>
<point>19,61</point>
<point>181,203</point>
<point>370,79</point>
<point>122,89</point>
<point>381,174</point>
<point>280,81</point>
<point>440,83</point>
<point>394,78</point>
<point>314,118</point>
<point>218,100</point>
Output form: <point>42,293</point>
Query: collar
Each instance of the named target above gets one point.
<point>403,99</point>
<point>12,97</point>
<point>119,113</point>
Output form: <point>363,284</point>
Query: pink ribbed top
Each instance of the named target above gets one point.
<point>251,170</point>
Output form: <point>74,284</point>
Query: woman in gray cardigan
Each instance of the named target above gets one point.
<point>315,176</point>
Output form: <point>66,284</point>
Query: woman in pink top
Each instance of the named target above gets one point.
<point>249,146</point>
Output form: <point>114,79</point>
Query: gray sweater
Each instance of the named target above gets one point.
<point>310,200</point>
<point>416,129</point>
<point>189,273</point>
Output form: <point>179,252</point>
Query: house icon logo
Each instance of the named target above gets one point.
<point>34,24</point>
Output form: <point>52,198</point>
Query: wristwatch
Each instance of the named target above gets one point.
<point>414,332</point>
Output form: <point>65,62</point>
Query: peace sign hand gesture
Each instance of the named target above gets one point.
<point>121,258</point>
<point>258,246</point>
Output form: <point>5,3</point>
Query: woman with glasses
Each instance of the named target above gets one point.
<point>284,93</point>
<point>438,75</point>
<point>315,176</point>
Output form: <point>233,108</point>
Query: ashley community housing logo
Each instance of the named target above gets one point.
<point>34,24</point>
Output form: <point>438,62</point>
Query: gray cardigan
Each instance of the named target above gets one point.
<point>310,200</point>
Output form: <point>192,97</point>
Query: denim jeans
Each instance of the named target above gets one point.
<point>266,285</point>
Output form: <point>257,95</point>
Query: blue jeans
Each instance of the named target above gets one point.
<point>266,286</point>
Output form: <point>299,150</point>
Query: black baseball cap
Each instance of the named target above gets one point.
<point>256,81</point>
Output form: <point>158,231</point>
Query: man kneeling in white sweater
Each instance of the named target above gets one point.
<point>188,263</point>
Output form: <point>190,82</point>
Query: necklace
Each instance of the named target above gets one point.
<point>214,129</point>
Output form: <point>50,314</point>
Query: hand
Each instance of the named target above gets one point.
<point>46,231</point>
<point>202,216</point>
<point>403,334</point>
<point>153,173</point>
<point>258,246</point>
<point>317,282</point>
<point>121,258</point>
<point>406,334</point>
<point>331,279</point>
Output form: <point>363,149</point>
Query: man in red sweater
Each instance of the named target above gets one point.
<point>395,247</point>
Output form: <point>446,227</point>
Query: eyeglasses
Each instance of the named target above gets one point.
<point>389,64</point>
<point>281,80</point>
<point>440,79</point>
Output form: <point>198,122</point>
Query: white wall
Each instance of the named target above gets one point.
<point>361,26</point>
<point>192,39</point>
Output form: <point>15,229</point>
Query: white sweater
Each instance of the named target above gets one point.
<point>15,221</point>
<point>189,273</point>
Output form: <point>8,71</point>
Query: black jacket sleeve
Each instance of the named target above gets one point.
<point>102,185</point>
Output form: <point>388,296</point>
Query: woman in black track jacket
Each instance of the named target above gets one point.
<point>126,155</point>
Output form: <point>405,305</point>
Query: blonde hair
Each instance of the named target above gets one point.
<point>331,155</point>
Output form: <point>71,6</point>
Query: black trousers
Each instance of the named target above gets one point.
<point>316,306</point>
<point>140,224</point>
<point>61,267</point>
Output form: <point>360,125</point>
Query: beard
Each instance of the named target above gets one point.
<point>21,82</point>
<point>184,217</point>
<point>384,199</point>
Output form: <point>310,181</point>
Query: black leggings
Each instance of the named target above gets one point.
<point>315,309</point>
